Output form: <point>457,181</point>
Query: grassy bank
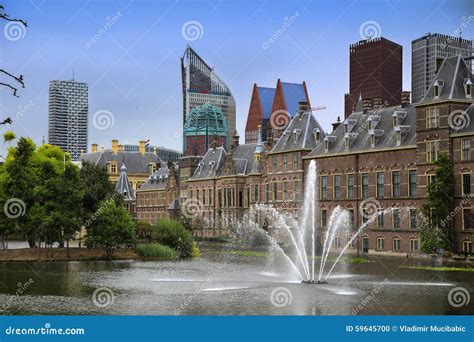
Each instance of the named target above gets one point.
<point>60,254</point>
<point>441,268</point>
<point>156,251</point>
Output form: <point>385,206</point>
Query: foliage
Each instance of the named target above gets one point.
<point>195,252</point>
<point>437,232</point>
<point>173,234</point>
<point>96,186</point>
<point>113,227</point>
<point>9,136</point>
<point>156,251</point>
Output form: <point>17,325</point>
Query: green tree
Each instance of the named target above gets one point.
<point>112,227</point>
<point>8,137</point>
<point>438,232</point>
<point>95,183</point>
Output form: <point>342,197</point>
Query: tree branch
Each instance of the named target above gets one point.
<point>18,79</point>
<point>11,87</point>
<point>7,17</point>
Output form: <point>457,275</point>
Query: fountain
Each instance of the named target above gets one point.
<point>301,255</point>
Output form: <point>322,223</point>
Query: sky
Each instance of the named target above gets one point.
<point>128,51</point>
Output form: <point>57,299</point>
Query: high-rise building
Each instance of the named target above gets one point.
<point>375,73</point>
<point>427,54</point>
<point>202,86</point>
<point>68,111</point>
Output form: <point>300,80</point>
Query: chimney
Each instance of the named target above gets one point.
<point>141,147</point>
<point>366,105</point>
<point>114,146</point>
<point>154,150</point>
<point>302,107</point>
<point>235,140</point>
<point>102,148</point>
<point>405,98</point>
<point>378,103</point>
<point>336,124</point>
<point>120,148</point>
<point>94,148</point>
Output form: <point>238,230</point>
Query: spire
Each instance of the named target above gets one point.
<point>123,185</point>
<point>359,106</point>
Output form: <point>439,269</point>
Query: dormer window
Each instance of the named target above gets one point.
<point>326,146</point>
<point>317,135</point>
<point>296,133</point>
<point>437,88</point>
<point>211,165</point>
<point>399,138</point>
<point>347,143</point>
<point>113,167</point>
<point>468,87</point>
<point>372,140</point>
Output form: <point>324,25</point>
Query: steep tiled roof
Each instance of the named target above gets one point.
<point>451,76</point>
<point>293,94</point>
<point>243,156</point>
<point>266,96</point>
<point>136,162</point>
<point>211,163</point>
<point>123,185</point>
<point>158,180</point>
<point>300,134</point>
<point>356,130</point>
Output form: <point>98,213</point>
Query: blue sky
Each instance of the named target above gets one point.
<point>133,68</point>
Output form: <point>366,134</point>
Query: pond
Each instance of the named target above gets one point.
<point>237,283</point>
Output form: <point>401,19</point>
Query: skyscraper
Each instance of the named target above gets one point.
<point>375,73</point>
<point>68,111</point>
<point>427,53</point>
<point>202,86</point>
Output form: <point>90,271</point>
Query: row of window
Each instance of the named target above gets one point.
<point>284,167</point>
<point>380,185</point>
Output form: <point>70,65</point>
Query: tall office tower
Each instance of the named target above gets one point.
<point>202,86</point>
<point>427,53</point>
<point>68,111</point>
<point>375,73</point>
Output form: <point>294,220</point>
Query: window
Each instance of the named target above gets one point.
<point>396,244</point>
<point>350,186</point>
<point>275,191</point>
<point>337,186</point>
<point>380,218</point>
<point>324,217</point>
<point>285,190</point>
<point>432,117</point>
<point>380,243</point>
<point>466,183</point>
<point>431,179</point>
<point>256,193</point>
<point>396,183</point>
<point>467,247</point>
<point>113,168</point>
<point>432,149</point>
<point>413,245</point>
<point>351,217</point>
<point>295,161</point>
<point>380,184</point>
<point>465,149</point>
<point>337,241</point>
<point>413,221</point>
<point>275,165</point>
<point>285,163</point>
<point>396,218</point>
<point>466,219</point>
<point>365,215</point>
<point>324,187</point>
<point>365,185</point>
<point>412,183</point>
<point>267,192</point>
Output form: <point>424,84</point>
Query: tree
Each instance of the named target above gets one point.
<point>113,227</point>
<point>8,137</point>
<point>438,232</point>
<point>95,182</point>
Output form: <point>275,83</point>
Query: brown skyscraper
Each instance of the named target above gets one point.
<point>375,73</point>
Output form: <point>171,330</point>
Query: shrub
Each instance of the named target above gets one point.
<point>156,251</point>
<point>195,252</point>
<point>173,234</point>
